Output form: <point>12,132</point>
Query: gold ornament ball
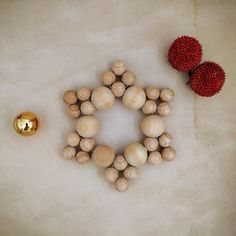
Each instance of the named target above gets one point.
<point>26,123</point>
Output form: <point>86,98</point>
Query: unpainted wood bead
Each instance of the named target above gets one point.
<point>69,152</point>
<point>131,172</point>
<point>164,109</point>
<point>149,107</point>
<point>168,153</point>
<point>155,158</point>
<point>118,89</point>
<point>119,67</point>
<point>129,78</point>
<point>103,155</point>
<point>70,97</point>
<point>111,174</point>
<point>152,92</point>
<point>165,140</point>
<point>74,111</point>
<point>151,144</point>
<point>83,94</point>
<point>87,144</point>
<point>167,95</point>
<point>108,78</point>
<point>82,157</point>
<point>87,108</point>
<point>121,184</point>
<point>120,162</point>
<point>73,139</point>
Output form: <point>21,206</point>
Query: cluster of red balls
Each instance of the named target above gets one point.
<point>185,55</point>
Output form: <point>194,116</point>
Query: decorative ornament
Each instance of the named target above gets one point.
<point>119,83</point>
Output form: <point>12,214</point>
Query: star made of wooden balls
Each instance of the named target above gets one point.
<point>154,103</point>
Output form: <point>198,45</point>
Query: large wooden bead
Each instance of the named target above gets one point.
<point>103,155</point>
<point>135,154</point>
<point>152,92</point>
<point>68,152</point>
<point>149,107</point>
<point>87,108</point>
<point>82,157</point>
<point>167,95</point>
<point>120,163</point>
<point>108,78</point>
<point>74,111</point>
<point>151,144</point>
<point>73,139</point>
<point>87,126</point>
<point>168,154</point>
<point>70,97</point>
<point>83,94</point>
<point>165,139</point>
<point>119,67</point>
<point>87,144</point>
<point>152,126</point>
<point>129,78</point>
<point>134,98</point>
<point>154,158</point>
<point>118,89</point>
<point>131,172</point>
<point>102,98</point>
<point>111,174</point>
<point>164,109</point>
<point>121,184</point>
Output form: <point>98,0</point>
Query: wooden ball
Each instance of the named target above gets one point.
<point>121,184</point>
<point>165,140</point>
<point>164,109</point>
<point>68,152</point>
<point>73,139</point>
<point>151,144</point>
<point>111,174</point>
<point>73,111</point>
<point>87,108</point>
<point>119,67</point>
<point>118,89</point>
<point>87,126</point>
<point>131,172</point>
<point>168,153</point>
<point>135,154</point>
<point>129,78</point>
<point>102,98</point>
<point>83,94</point>
<point>70,97</point>
<point>108,78</point>
<point>82,157</point>
<point>120,162</point>
<point>134,98</point>
<point>167,95</point>
<point>152,92</point>
<point>149,107</point>
<point>155,158</point>
<point>103,155</point>
<point>152,126</point>
<point>87,144</point>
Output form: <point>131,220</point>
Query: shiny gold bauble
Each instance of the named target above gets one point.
<point>26,123</point>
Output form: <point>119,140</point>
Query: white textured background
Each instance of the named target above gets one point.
<point>49,46</point>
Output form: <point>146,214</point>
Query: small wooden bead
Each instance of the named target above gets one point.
<point>69,152</point>
<point>70,97</point>
<point>73,111</point>
<point>87,144</point>
<point>83,94</point>
<point>155,158</point>
<point>73,139</point>
<point>149,107</point>
<point>168,154</point>
<point>129,78</point>
<point>164,109</point>
<point>119,67</point>
<point>167,95</point>
<point>82,157</point>
<point>108,78</point>
<point>87,108</point>
<point>118,89</point>
<point>131,172</point>
<point>111,174</point>
<point>103,155</point>
<point>151,144</point>
<point>121,184</point>
<point>120,162</point>
<point>165,140</point>
<point>152,92</point>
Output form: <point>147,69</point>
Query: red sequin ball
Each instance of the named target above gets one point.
<point>207,79</point>
<point>185,53</point>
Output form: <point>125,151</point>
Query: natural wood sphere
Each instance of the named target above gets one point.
<point>151,144</point>
<point>70,97</point>
<point>108,78</point>
<point>83,93</point>
<point>120,162</point>
<point>121,184</point>
<point>167,95</point>
<point>131,172</point>
<point>102,98</point>
<point>129,78</point>
<point>87,108</point>
<point>155,158</point>
<point>111,174</point>
<point>135,154</point>
<point>118,67</point>
<point>152,126</point>
<point>149,107</point>
<point>69,152</point>
<point>118,89</point>
<point>152,92</point>
<point>103,155</point>
<point>134,98</point>
<point>165,140</point>
<point>87,144</point>
<point>87,126</point>
<point>73,111</point>
<point>73,139</point>
<point>82,157</point>
<point>164,109</point>
<point>168,153</point>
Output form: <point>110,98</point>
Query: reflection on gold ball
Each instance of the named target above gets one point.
<point>26,123</point>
